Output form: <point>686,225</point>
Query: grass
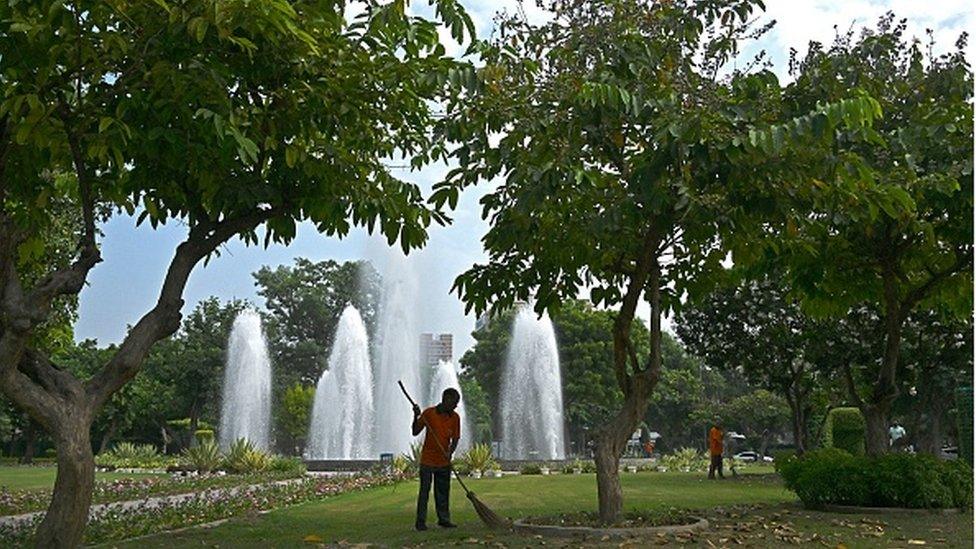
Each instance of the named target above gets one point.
<point>753,510</point>
<point>385,515</point>
<point>19,477</point>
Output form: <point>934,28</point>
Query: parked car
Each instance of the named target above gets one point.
<point>752,457</point>
<point>950,452</point>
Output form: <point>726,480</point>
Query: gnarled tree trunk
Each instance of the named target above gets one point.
<point>66,516</point>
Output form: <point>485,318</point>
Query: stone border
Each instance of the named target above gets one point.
<point>520,526</point>
<point>854,510</point>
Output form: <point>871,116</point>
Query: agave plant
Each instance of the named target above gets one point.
<point>479,458</point>
<point>243,457</point>
<point>203,457</point>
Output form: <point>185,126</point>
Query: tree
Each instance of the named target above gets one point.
<point>938,359</point>
<point>141,400</point>
<point>191,363</point>
<point>304,303</point>
<point>295,413</point>
<point>590,391</point>
<point>889,227</point>
<point>627,162</point>
<point>757,329</point>
<point>230,118</point>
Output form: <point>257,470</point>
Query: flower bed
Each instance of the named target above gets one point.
<point>118,522</point>
<point>126,489</point>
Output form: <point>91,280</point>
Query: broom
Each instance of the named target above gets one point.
<point>490,518</point>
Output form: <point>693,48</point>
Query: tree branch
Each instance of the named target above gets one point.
<point>963,259</point>
<point>164,318</point>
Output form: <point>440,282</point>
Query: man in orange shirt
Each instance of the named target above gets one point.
<point>715,448</point>
<point>443,427</point>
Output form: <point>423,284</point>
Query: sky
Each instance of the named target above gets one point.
<point>125,285</point>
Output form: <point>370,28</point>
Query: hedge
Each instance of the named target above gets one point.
<point>845,429</point>
<point>834,476</point>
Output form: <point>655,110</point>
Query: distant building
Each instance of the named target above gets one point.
<point>435,348</point>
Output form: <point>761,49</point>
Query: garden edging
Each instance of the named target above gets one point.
<point>585,531</point>
<point>854,509</point>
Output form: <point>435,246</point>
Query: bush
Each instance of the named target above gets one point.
<point>685,458</point>
<point>531,469</point>
<point>408,464</point>
<point>478,458</point>
<point>290,465</point>
<point>203,457</point>
<point>129,455</point>
<point>243,457</point>
<point>834,476</point>
<point>845,429</point>
<point>957,475</point>
<point>204,435</point>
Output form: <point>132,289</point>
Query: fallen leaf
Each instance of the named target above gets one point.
<point>312,538</point>
<point>916,542</point>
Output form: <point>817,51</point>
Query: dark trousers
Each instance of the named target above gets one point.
<point>716,465</point>
<point>441,477</point>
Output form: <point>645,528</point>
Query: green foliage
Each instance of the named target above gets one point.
<point>477,407</point>
<point>685,459</point>
<point>203,435</point>
<point>845,429</point>
<point>479,458</point>
<point>203,457</point>
<point>243,457</point>
<point>291,465</point>
<point>295,409</point>
<point>136,456</point>
<point>304,302</point>
<point>531,469</point>
<point>409,463</point>
<point>834,476</point>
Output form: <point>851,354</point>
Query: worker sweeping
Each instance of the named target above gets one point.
<point>440,427</point>
<point>443,426</point>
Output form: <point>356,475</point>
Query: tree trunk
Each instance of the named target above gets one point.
<point>799,425</point>
<point>107,436</point>
<point>30,437</point>
<point>876,429</point>
<point>610,446</point>
<point>64,522</point>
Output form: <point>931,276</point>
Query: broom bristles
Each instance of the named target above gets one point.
<point>491,519</point>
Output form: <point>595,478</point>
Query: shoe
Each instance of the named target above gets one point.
<point>447,525</point>
<point>420,527</point>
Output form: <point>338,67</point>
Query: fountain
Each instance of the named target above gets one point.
<point>443,376</point>
<point>531,392</point>
<point>342,412</point>
<point>246,405</point>
<point>397,359</point>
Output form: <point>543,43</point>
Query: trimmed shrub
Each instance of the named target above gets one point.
<point>531,469</point>
<point>291,465</point>
<point>204,435</point>
<point>845,429</point>
<point>834,476</point>
<point>957,475</point>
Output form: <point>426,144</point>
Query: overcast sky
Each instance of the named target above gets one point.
<point>124,286</point>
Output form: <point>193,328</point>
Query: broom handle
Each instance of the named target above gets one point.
<point>439,445</point>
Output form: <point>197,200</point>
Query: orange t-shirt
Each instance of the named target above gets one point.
<point>715,441</point>
<point>447,428</point>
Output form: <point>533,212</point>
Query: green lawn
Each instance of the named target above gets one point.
<point>19,477</point>
<point>753,510</point>
<point>385,515</point>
